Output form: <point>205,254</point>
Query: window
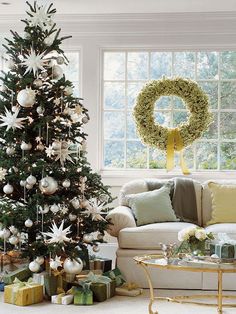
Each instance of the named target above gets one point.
<point>124,74</point>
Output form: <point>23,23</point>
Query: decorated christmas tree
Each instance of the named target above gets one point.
<point>52,205</point>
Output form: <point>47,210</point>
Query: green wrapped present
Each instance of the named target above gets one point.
<point>227,251</point>
<point>22,274</point>
<point>83,295</point>
<point>51,284</point>
<point>116,274</point>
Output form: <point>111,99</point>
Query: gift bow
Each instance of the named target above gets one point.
<point>92,278</point>
<point>118,278</point>
<point>18,284</point>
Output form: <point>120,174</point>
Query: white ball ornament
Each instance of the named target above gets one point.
<point>26,97</point>
<point>68,90</point>
<point>40,110</point>
<point>31,180</point>
<point>54,208</point>
<point>28,223</point>
<point>85,120</point>
<point>8,189</point>
<point>13,230</point>
<point>49,40</point>
<point>48,185</point>
<point>10,151</point>
<point>87,238</point>
<point>29,186</point>
<point>13,240</point>
<point>57,72</point>
<point>40,147</point>
<point>66,183</point>
<point>39,260</point>
<point>34,267</point>
<point>5,233</point>
<point>72,217</point>
<point>26,146</point>
<point>22,183</point>
<point>38,83</point>
<point>46,209</point>
<point>56,145</point>
<point>60,60</point>
<point>44,74</point>
<point>73,266</point>
<point>75,203</point>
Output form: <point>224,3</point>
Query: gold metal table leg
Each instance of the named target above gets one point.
<point>220,292</point>
<point>152,298</point>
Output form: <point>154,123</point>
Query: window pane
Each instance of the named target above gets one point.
<point>131,127</point>
<point>160,64</point>
<point>228,65</point>
<point>157,159</point>
<point>228,95</point>
<point>179,117</point>
<point>133,90</point>
<point>114,125</point>
<point>184,64</point>
<point>136,155</point>
<point>188,158</point>
<point>207,65</point>
<point>178,103</point>
<point>114,95</point>
<point>228,156</point>
<point>163,118</point>
<point>163,102</point>
<point>212,132</point>
<point>137,67</point>
<point>114,66</point>
<point>228,125</point>
<point>211,89</point>
<point>71,70</point>
<point>114,154</point>
<point>206,155</point>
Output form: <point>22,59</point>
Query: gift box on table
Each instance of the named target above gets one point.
<point>21,274</point>
<point>227,251</point>
<point>116,274</point>
<point>23,293</point>
<point>83,295</point>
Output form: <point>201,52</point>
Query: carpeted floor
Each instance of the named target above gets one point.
<point>116,305</point>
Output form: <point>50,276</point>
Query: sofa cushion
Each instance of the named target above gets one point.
<point>149,236</point>
<point>151,207</point>
<point>229,228</point>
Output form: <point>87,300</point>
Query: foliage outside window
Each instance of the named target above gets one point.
<point>124,74</point>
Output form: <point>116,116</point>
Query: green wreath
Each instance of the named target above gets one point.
<point>195,100</point>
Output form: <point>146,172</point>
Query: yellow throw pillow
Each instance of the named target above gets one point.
<point>223,203</point>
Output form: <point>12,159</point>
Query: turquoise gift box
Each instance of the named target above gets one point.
<point>227,251</point>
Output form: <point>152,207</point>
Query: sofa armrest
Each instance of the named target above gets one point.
<point>121,217</point>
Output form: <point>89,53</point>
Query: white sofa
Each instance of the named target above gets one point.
<point>145,239</point>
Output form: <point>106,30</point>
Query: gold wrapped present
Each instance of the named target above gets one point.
<point>23,293</point>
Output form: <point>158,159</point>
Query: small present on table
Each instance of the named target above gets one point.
<point>224,248</point>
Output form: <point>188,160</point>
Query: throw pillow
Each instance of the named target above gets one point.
<point>223,203</point>
<point>151,207</point>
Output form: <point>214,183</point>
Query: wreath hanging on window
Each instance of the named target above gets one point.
<point>172,139</point>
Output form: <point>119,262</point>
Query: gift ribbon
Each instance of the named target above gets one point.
<point>118,278</point>
<point>218,248</point>
<point>92,278</point>
<point>175,142</point>
<point>59,274</point>
<point>18,284</point>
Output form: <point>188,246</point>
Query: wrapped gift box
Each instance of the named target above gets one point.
<point>23,293</point>
<point>227,251</point>
<point>22,274</point>
<point>50,284</point>
<point>103,291</point>
<point>105,264</point>
<point>83,296</point>
<point>115,274</point>
<point>129,289</point>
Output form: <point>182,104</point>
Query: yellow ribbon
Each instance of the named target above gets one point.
<point>175,142</point>
<point>18,284</point>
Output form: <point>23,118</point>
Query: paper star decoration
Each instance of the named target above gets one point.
<point>49,151</point>
<point>55,263</point>
<point>11,121</point>
<point>94,210</point>
<point>33,62</point>
<point>3,173</point>
<point>62,154</point>
<point>58,235</point>
<point>41,18</point>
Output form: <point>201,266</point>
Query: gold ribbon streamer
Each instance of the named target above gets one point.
<point>175,142</point>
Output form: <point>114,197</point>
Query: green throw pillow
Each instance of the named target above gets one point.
<point>151,207</point>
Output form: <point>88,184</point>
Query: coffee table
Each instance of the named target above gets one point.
<point>157,261</point>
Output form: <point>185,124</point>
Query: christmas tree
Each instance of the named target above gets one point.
<point>51,202</point>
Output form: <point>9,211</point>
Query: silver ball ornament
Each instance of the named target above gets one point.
<point>46,209</point>
<point>28,223</point>
<point>40,110</point>
<point>60,60</point>
<point>66,183</point>
<point>26,146</point>
<point>13,230</point>
<point>57,72</point>
<point>73,266</point>
<point>54,208</point>
<point>51,187</point>
<point>22,183</point>
<point>87,238</point>
<point>13,240</point>
<point>40,147</point>
<point>85,120</point>
<point>68,90</point>
<point>29,186</point>
<point>31,180</point>
<point>26,97</point>
<point>39,260</point>
<point>10,151</point>
<point>75,203</point>
<point>72,217</point>
<point>34,267</point>
<point>44,74</point>
<point>56,145</point>
<point>38,83</point>
<point>8,188</point>
<point>5,233</point>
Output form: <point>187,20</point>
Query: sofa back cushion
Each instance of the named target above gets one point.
<point>151,207</point>
<point>207,198</point>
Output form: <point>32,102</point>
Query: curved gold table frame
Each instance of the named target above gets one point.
<point>147,261</point>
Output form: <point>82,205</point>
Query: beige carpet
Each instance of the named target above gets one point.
<point>116,305</point>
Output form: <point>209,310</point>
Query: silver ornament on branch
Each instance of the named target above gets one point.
<point>26,97</point>
<point>10,150</point>
<point>54,208</point>
<point>57,72</point>
<point>13,230</point>
<point>73,266</point>
<point>60,60</point>
<point>34,266</point>
<point>40,110</point>
<point>56,145</point>
<point>96,248</point>
<point>39,260</point>
<point>75,203</point>
<point>28,223</point>
<point>13,240</point>
<point>22,183</point>
<point>85,120</point>
<point>26,146</point>
<point>49,40</point>
<point>31,180</point>
<point>68,90</point>
<point>66,183</point>
<point>46,209</point>
<point>40,147</point>
<point>44,74</point>
<point>29,186</point>
<point>72,217</point>
<point>8,188</point>
<point>38,83</point>
<point>87,238</point>
<point>48,185</point>
<point>5,233</point>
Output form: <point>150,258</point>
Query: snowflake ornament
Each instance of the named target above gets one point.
<point>41,18</point>
<point>34,62</point>
<point>94,210</point>
<point>11,121</point>
<point>3,173</point>
<point>58,235</point>
<point>62,152</point>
